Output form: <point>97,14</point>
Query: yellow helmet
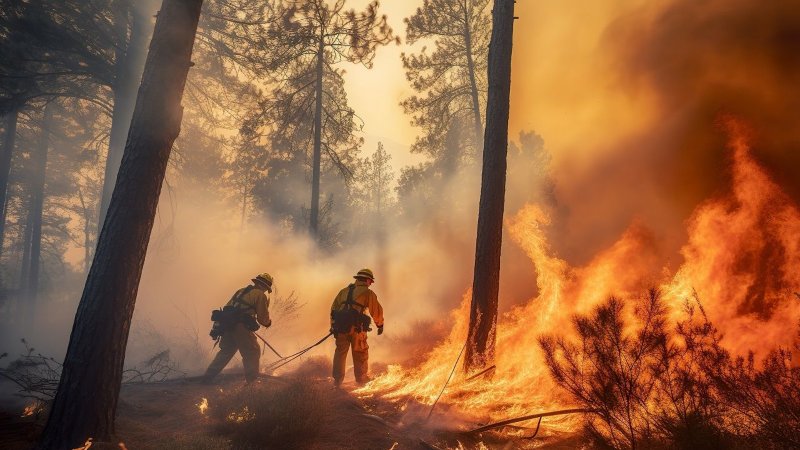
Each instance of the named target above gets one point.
<point>365,273</point>
<point>265,279</point>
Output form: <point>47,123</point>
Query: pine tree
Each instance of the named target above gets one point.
<point>486,282</point>
<point>86,400</point>
<point>451,79</point>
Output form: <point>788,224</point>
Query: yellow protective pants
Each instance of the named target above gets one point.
<point>241,340</point>
<point>360,356</point>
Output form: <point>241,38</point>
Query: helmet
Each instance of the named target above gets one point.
<point>264,279</point>
<point>365,273</point>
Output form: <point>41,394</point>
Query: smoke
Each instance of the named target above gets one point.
<point>628,95</point>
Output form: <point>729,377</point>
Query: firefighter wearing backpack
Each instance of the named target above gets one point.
<point>350,330</point>
<point>238,325</point>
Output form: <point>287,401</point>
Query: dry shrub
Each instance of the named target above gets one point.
<point>762,404</point>
<point>631,377</point>
<point>263,416</point>
<point>654,386</point>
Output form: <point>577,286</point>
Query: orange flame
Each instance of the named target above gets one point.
<point>741,258</point>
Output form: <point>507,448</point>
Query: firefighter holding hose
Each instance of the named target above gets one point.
<point>235,326</point>
<point>349,325</point>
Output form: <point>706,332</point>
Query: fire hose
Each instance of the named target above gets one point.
<point>267,344</point>
<point>287,359</point>
<point>455,364</point>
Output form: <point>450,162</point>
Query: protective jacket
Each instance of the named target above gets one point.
<point>253,301</point>
<point>363,296</point>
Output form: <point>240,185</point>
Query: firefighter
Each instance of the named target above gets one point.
<point>250,304</point>
<point>362,298</point>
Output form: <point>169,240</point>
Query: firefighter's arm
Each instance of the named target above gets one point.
<point>334,306</point>
<point>262,310</point>
<point>375,310</point>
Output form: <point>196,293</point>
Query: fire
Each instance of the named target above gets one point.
<point>33,408</point>
<point>242,416</point>
<point>742,259</point>
<point>743,255</point>
<point>203,406</point>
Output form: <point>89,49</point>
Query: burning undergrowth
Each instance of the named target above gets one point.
<point>741,259</point>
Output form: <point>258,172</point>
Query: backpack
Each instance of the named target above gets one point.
<point>348,318</point>
<point>226,318</point>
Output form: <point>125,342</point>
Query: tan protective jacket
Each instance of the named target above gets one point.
<point>258,300</point>
<point>363,296</point>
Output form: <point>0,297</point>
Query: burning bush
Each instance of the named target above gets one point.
<point>651,386</point>
<point>259,417</point>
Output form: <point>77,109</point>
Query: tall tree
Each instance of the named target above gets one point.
<point>9,137</point>
<point>132,27</point>
<point>451,79</point>
<point>311,37</point>
<point>486,280</point>
<point>36,211</point>
<point>86,400</point>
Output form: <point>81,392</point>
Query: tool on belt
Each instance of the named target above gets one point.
<point>228,316</point>
<point>347,318</point>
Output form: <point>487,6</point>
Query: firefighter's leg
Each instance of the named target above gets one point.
<point>361,357</point>
<point>340,357</point>
<point>250,351</point>
<point>227,348</point>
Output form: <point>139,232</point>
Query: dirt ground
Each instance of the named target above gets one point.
<point>296,411</point>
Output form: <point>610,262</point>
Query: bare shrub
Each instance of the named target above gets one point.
<point>36,376</point>
<point>259,417</point>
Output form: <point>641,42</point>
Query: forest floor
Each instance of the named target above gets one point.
<point>300,410</point>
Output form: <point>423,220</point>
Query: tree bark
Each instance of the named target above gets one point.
<point>39,163</point>
<point>317,158</point>
<point>129,66</point>
<point>9,137</point>
<point>86,399</point>
<point>486,281</point>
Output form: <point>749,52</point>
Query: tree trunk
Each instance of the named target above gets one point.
<point>88,227</point>
<point>39,163</point>
<point>315,170</point>
<point>22,292</point>
<point>486,281</point>
<point>88,391</point>
<point>473,84</point>
<point>129,66</point>
<point>9,137</point>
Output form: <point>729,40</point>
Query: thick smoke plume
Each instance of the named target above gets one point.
<point>630,99</point>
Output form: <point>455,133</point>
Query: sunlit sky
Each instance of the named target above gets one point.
<point>375,93</point>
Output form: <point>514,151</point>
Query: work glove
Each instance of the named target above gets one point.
<point>380,330</point>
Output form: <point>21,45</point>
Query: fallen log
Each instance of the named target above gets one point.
<point>561,412</point>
